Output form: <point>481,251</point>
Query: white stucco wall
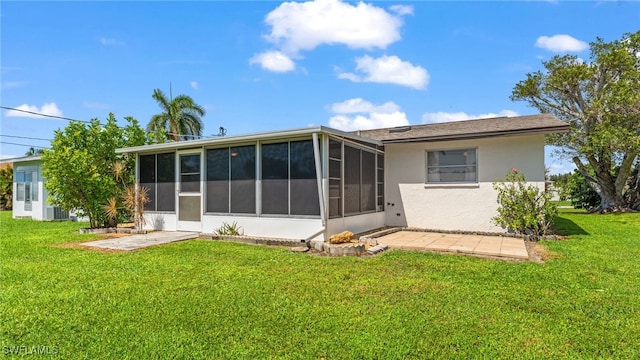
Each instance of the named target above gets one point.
<point>469,207</point>
<point>356,223</point>
<point>37,211</point>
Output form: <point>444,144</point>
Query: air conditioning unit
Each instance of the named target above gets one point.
<point>55,213</point>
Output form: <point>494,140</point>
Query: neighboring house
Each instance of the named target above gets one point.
<point>29,193</point>
<point>313,182</point>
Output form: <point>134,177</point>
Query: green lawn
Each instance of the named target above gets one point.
<point>204,299</point>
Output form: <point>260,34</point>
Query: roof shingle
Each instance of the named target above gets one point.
<point>469,129</point>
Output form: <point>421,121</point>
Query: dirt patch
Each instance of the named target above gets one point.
<point>539,253</point>
<point>80,246</point>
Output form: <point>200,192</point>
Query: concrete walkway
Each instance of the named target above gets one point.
<point>499,246</point>
<point>134,242</point>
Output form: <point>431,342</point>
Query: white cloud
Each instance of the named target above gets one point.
<point>47,109</point>
<point>402,10</point>
<point>274,61</point>
<point>299,26</point>
<point>194,84</point>
<point>359,105</point>
<point>440,117</point>
<point>560,167</point>
<point>388,69</point>
<point>95,105</point>
<point>13,84</point>
<point>111,41</point>
<point>359,114</point>
<point>561,43</point>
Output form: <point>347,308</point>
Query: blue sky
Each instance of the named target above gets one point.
<point>264,65</point>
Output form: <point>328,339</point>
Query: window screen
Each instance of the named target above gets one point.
<point>452,166</point>
<point>275,178</point>
<point>243,179</point>
<point>218,180</point>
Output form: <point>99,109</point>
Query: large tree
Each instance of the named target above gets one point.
<point>181,117</point>
<point>80,165</point>
<point>600,99</point>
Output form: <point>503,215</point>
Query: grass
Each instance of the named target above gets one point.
<point>204,299</point>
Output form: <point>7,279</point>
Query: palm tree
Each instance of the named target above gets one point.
<point>34,152</point>
<point>180,117</point>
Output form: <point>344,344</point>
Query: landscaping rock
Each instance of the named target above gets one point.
<point>300,249</point>
<point>341,238</point>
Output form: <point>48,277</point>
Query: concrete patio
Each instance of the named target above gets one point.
<point>139,241</point>
<point>498,246</point>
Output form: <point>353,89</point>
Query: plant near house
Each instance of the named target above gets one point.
<point>132,198</point>
<point>229,229</point>
<point>524,208</point>
<point>6,188</point>
<point>79,167</point>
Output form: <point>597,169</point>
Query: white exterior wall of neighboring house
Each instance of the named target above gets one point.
<point>32,204</point>
<point>468,206</point>
<point>27,173</point>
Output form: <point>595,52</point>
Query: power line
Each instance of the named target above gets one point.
<point>24,137</point>
<point>222,132</point>
<point>40,114</point>
<point>33,146</point>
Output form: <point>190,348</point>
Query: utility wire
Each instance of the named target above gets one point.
<point>33,146</point>
<point>39,114</point>
<point>223,131</point>
<point>24,137</point>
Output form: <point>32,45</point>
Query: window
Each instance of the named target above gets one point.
<point>190,173</point>
<point>218,180</point>
<point>157,173</point>
<point>275,178</point>
<point>27,185</point>
<point>303,182</point>
<point>359,180</point>
<point>231,180</point>
<point>289,184</point>
<point>335,178</point>
<point>452,166</point>
<point>380,179</point>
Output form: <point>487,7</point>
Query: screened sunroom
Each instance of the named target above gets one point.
<point>297,184</point>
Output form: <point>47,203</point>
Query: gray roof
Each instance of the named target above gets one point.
<point>469,129</point>
<point>227,140</point>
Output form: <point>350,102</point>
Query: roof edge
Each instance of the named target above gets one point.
<point>530,131</point>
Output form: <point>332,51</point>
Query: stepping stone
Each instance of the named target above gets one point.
<point>300,249</point>
<point>377,249</point>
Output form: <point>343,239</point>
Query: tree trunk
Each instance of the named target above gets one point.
<point>604,184</point>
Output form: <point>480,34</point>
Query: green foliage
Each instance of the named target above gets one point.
<point>560,185</point>
<point>180,118</point>
<point>524,208</point>
<point>203,299</point>
<point>34,151</point>
<point>229,229</point>
<point>79,167</point>
<point>600,100</point>
<point>582,195</point>
<point>6,188</point>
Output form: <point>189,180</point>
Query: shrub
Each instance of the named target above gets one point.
<point>524,208</point>
<point>582,195</point>
<point>229,229</point>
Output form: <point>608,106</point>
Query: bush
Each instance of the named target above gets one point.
<point>524,208</point>
<point>229,229</point>
<point>582,195</point>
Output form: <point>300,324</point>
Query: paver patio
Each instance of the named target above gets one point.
<point>500,246</point>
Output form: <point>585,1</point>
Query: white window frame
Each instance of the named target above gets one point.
<point>427,166</point>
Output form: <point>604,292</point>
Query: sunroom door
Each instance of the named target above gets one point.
<point>190,191</point>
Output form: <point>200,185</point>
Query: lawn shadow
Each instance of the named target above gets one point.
<point>566,227</point>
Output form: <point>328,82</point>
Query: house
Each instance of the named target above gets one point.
<point>29,193</point>
<point>313,182</point>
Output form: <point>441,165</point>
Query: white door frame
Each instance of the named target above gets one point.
<point>189,218</point>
